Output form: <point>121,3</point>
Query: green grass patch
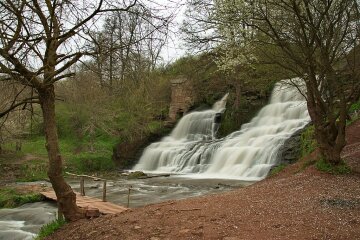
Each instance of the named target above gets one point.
<point>10,198</point>
<point>36,146</point>
<point>308,142</point>
<point>50,228</point>
<point>277,169</point>
<point>324,166</point>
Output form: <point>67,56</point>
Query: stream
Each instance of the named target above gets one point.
<point>24,222</point>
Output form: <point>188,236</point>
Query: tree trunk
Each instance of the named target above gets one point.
<point>237,100</point>
<point>329,134</point>
<point>65,195</point>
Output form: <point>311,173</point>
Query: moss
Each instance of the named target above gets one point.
<point>277,169</point>
<point>137,174</point>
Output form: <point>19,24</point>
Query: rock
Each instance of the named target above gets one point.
<point>137,227</point>
<point>95,186</point>
<point>136,174</point>
<point>92,212</point>
<point>290,152</point>
<point>184,231</point>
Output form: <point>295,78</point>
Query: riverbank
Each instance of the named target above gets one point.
<point>298,203</point>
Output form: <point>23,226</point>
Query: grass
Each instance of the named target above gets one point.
<point>33,170</point>
<point>324,166</point>
<point>308,142</point>
<point>277,169</point>
<point>10,198</point>
<point>50,228</point>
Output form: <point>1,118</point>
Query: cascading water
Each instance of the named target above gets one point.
<point>247,154</point>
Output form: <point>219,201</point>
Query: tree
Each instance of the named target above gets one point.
<point>316,38</point>
<point>315,41</point>
<point>219,26</point>
<point>127,47</point>
<point>39,42</point>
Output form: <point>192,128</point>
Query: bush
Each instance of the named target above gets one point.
<point>50,228</point>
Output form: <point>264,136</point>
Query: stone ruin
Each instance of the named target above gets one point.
<point>182,97</point>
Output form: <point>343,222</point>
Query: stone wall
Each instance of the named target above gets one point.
<point>182,97</point>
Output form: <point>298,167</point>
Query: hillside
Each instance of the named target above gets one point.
<point>298,203</point>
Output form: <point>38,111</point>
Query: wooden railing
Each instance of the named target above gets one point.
<point>82,183</point>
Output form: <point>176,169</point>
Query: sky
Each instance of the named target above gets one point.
<point>175,47</point>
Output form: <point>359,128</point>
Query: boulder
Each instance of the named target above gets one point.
<point>290,151</point>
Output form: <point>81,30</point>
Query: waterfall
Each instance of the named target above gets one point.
<point>247,154</point>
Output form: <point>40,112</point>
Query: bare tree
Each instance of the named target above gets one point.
<point>127,46</point>
<point>39,42</point>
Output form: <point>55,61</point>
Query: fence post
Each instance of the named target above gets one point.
<point>128,200</point>
<point>104,191</point>
<point>82,186</point>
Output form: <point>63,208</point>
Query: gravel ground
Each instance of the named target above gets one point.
<point>296,204</point>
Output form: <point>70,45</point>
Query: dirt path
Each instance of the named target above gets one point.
<point>296,204</point>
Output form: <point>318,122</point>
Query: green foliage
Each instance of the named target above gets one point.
<point>277,169</point>
<point>355,107</point>
<point>50,228</point>
<point>10,198</point>
<point>325,166</point>
<point>308,142</point>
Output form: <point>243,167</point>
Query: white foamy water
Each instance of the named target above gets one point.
<point>247,154</point>
<point>23,223</point>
